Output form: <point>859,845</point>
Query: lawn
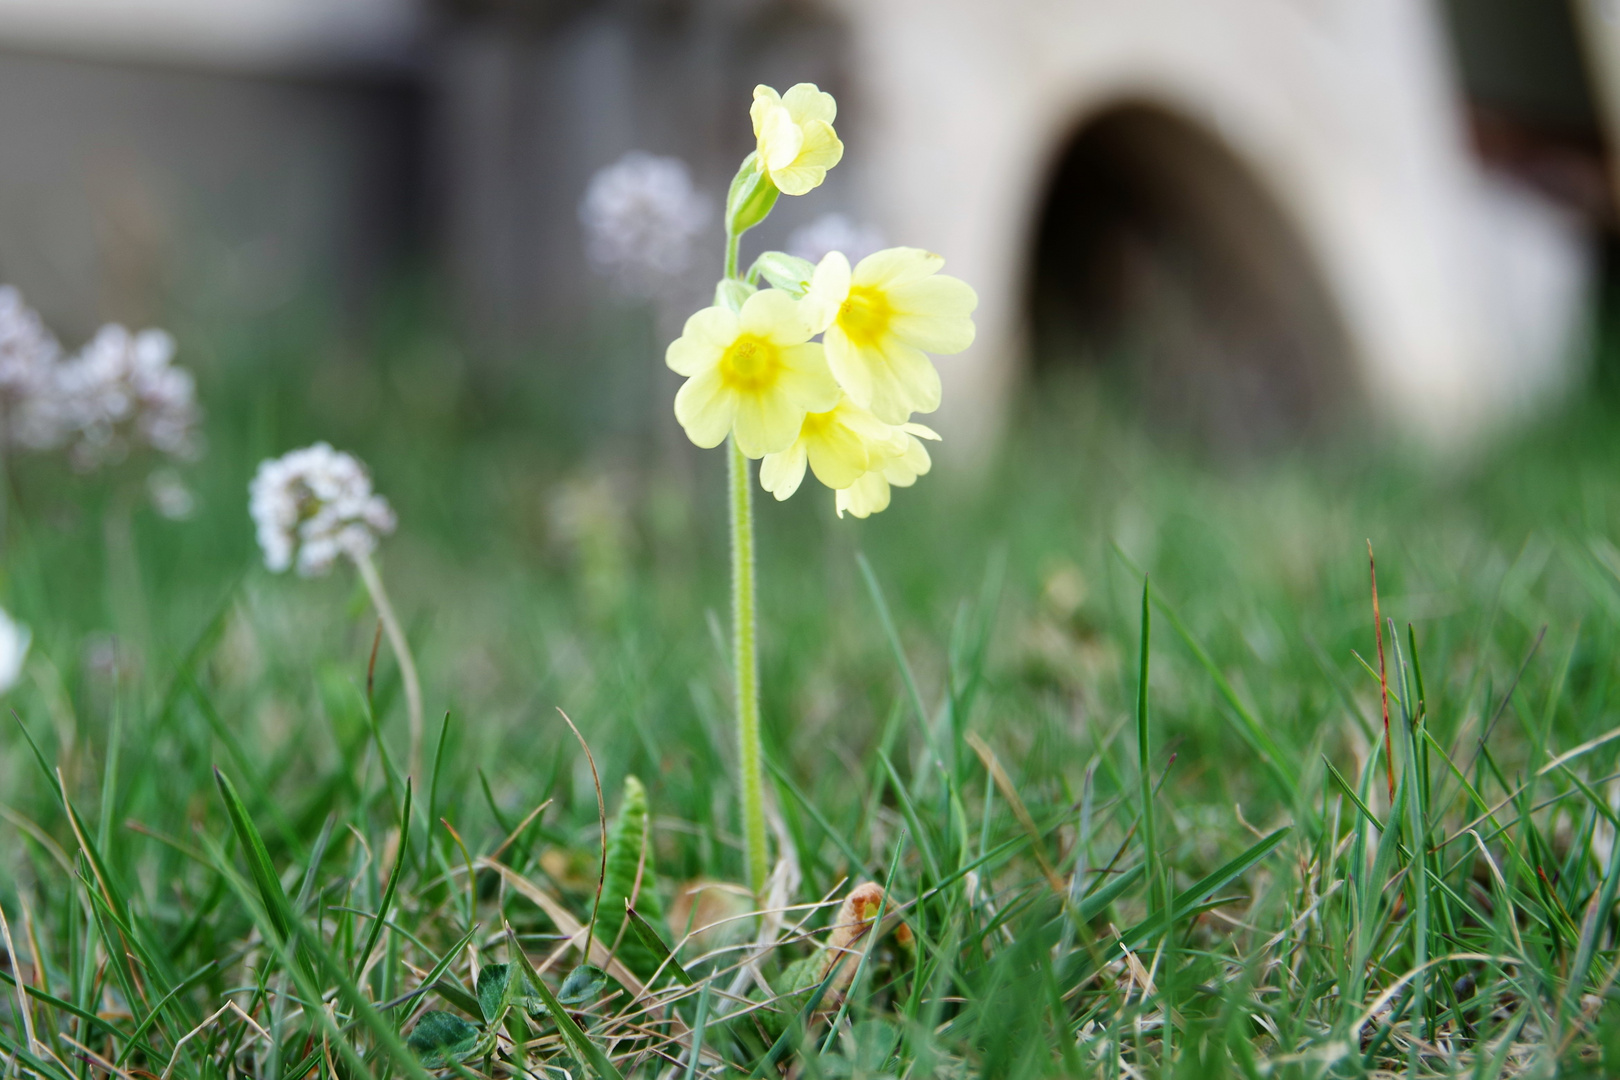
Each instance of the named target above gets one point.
<point>212,863</point>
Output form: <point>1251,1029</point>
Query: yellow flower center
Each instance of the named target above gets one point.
<point>750,364</point>
<point>817,423</point>
<point>864,316</point>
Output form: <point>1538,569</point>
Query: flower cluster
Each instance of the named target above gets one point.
<point>841,406</point>
<point>121,392</point>
<point>313,505</point>
<point>641,217</point>
<point>28,353</point>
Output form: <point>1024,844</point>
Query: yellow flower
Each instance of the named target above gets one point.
<point>797,143</point>
<point>880,319</point>
<point>870,494</point>
<point>753,373</point>
<point>840,446</point>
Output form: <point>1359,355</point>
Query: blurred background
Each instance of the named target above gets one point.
<point>1267,218</point>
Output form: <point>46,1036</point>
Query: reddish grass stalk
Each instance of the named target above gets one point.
<point>1383,679</point>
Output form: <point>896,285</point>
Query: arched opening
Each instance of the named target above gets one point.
<point>1161,259</point>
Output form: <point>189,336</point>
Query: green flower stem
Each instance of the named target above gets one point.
<point>402,654</point>
<point>745,665</point>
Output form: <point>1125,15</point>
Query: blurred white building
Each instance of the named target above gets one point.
<point>1268,212</point>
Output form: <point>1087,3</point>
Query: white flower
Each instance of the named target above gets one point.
<point>170,495</point>
<point>835,232</point>
<point>14,641</point>
<point>641,217</point>
<point>120,393</point>
<point>315,504</point>
<point>28,353</point>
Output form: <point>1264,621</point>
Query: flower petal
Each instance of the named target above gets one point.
<point>904,381</point>
<point>805,378</point>
<point>849,366</point>
<point>932,314</point>
<point>865,497</point>
<point>774,315</point>
<point>782,473</point>
<point>766,423</point>
<point>798,179</point>
<point>704,338</point>
<point>807,101</point>
<point>829,287</point>
<point>837,456</point>
<point>780,141</point>
<point>893,267</point>
<point>766,100</point>
<point>819,146</point>
<point>705,409</point>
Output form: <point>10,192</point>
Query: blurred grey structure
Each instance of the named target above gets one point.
<point>1271,211</point>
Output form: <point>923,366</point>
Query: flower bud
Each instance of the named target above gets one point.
<point>750,199</point>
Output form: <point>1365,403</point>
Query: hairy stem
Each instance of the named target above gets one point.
<point>745,665</point>
<point>402,653</point>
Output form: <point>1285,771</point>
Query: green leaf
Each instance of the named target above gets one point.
<point>492,984</point>
<point>276,905</point>
<point>649,937</point>
<point>393,884</point>
<point>583,985</point>
<point>442,1039</point>
<point>626,837</point>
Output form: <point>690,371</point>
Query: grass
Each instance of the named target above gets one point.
<point>1126,831</point>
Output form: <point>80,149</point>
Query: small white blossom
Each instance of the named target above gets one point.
<point>835,232</point>
<point>641,217</point>
<point>120,393</point>
<point>28,353</point>
<point>170,495</point>
<point>314,505</point>
<point>14,641</point>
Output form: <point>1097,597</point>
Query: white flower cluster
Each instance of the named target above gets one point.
<point>314,505</point>
<point>835,232</point>
<point>120,393</point>
<point>641,217</point>
<point>28,353</point>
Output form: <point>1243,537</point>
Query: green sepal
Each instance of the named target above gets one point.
<point>732,294</point>
<point>750,199</point>
<point>786,272</point>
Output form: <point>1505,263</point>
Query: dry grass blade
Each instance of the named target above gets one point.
<point>601,814</point>
<point>1004,784</point>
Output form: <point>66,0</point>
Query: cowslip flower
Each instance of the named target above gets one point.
<point>870,494</point>
<point>753,373</point>
<point>314,505</point>
<point>839,446</point>
<point>796,140</point>
<point>882,318</point>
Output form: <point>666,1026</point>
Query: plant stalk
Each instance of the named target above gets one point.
<point>745,666</point>
<point>402,654</point>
